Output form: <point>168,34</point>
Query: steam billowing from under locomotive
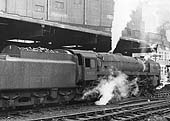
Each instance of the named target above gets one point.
<point>113,88</point>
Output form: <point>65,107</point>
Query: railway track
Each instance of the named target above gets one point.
<point>33,113</point>
<point>130,112</point>
<point>127,107</point>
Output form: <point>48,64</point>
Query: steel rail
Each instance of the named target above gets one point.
<point>122,113</point>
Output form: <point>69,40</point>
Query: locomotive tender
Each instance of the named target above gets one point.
<point>36,76</point>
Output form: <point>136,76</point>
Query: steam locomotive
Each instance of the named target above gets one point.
<point>31,76</point>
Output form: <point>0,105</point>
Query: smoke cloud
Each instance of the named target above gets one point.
<point>113,88</point>
<point>122,11</point>
<point>155,13</point>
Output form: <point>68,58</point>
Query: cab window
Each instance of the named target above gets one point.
<point>87,62</point>
<point>93,64</point>
<point>90,63</point>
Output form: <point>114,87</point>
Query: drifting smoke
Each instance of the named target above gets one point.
<point>113,88</point>
<point>122,12</point>
<point>155,14</point>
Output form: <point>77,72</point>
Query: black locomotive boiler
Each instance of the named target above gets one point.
<point>39,76</point>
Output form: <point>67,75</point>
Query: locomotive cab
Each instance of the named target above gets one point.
<point>87,65</point>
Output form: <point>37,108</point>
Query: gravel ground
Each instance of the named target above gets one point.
<point>57,112</point>
<point>156,118</point>
<point>47,112</point>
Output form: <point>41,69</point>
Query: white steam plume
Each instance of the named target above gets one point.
<point>122,12</point>
<point>155,13</point>
<point>113,88</point>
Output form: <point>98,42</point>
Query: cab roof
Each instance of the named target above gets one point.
<point>85,53</point>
